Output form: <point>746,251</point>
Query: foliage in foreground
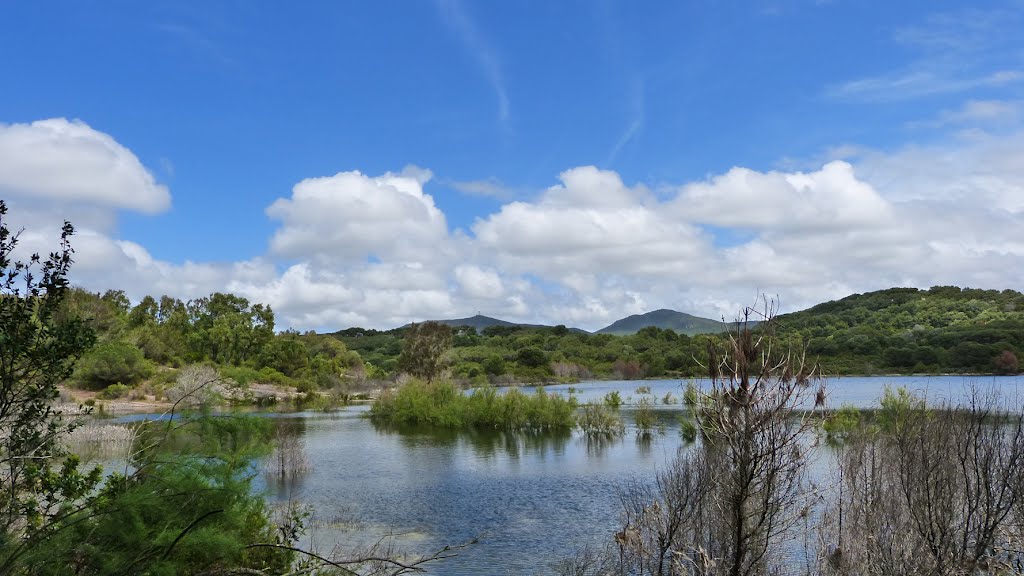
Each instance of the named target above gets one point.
<point>445,405</point>
<point>917,490</point>
<point>37,351</point>
<point>184,502</point>
<point>187,507</point>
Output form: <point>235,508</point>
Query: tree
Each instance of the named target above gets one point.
<point>112,363</point>
<point>1006,363</point>
<point>730,506</point>
<point>38,348</point>
<point>425,349</point>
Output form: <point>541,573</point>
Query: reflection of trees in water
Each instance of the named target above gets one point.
<point>643,444</point>
<point>485,443</point>
<point>289,463</point>
<point>597,445</point>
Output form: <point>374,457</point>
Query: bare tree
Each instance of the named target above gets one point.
<point>196,386</point>
<point>936,492</point>
<point>730,507</point>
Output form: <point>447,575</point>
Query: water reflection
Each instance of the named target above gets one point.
<point>485,444</point>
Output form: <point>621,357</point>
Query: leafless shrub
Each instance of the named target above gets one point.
<point>732,506</point>
<point>197,386</point>
<point>939,493</point>
<point>628,369</point>
<point>289,460</point>
<point>103,441</point>
<point>570,370</point>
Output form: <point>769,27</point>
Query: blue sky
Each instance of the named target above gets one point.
<point>539,161</point>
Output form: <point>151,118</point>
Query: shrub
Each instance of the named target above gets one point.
<point>197,386</point>
<point>598,420</point>
<point>841,423</point>
<point>444,405</point>
<point>645,418</point>
<point>114,391</point>
<point>613,399</point>
<point>112,363</point>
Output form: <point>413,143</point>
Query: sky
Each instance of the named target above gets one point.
<point>376,163</point>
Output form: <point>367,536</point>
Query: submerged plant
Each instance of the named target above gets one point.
<point>443,404</point>
<point>645,419</point>
<point>599,420</point>
<point>613,399</point>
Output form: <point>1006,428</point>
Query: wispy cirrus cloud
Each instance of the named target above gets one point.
<point>488,188</point>
<point>976,114</point>
<point>957,52</point>
<point>469,33</point>
<point>198,42</point>
<point>636,120</point>
<point>910,84</point>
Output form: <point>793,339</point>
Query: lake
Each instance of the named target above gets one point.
<point>531,499</point>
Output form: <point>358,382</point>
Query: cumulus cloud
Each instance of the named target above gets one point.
<point>350,217</point>
<point>68,161</point>
<point>591,223</point>
<point>375,251</point>
<point>744,198</point>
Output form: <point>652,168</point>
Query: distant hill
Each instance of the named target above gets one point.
<point>479,322</point>
<point>679,321</point>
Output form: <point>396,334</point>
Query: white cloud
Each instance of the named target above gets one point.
<point>350,217</point>
<point>746,198</point>
<point>375,251</point>
<point>591,223</point>
<point>476,282</point>
<point>487,188</point>
<point>67,161</point>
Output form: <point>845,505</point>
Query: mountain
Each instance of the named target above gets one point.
<point>680,322</point>
<point>479,322</point>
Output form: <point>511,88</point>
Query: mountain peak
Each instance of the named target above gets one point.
<point>666,319</point>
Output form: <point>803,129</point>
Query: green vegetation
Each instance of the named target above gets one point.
<point>613,400</point>
<point>425,349</point>
<point>179,510</point>
<point>600,420</point>
<point>903,330</point>
<point>644,417</point>
<point>444,405</point>
<point>900,330</point>
<point>187,508</point>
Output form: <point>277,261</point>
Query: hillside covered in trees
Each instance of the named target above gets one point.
<point>899,330</point>
<point>943,329</point>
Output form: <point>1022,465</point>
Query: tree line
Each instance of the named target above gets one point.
<point>900,330</point>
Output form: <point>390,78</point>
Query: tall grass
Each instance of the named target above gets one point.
<point>444,405</point>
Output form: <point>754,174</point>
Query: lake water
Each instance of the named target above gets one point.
<point>531,499</point>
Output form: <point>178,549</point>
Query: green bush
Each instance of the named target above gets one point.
<point>841,423</point>
<point>645,418</point>
<point>613,399</point>
<point>444,405</point>
<point>599,420</point>
<point>114,391</point>
<point>189,508</point>
<point>112,363</point>
<point>242,375</point>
